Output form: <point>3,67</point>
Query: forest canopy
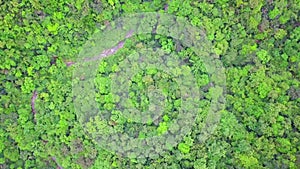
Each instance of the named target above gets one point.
<point>172,84</point>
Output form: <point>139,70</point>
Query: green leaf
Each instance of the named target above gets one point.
<point>284,145</point>
<point>53,27</point>
<point>162,128</point>
<point>184,148</point>
<point>275,12</point>
<point>263,56</point>
<point>248,161</point>
<point>280,34</point>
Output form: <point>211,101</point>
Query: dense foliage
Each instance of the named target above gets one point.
<point>258,43</point>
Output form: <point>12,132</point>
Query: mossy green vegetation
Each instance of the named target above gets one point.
<point>256,41</point>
